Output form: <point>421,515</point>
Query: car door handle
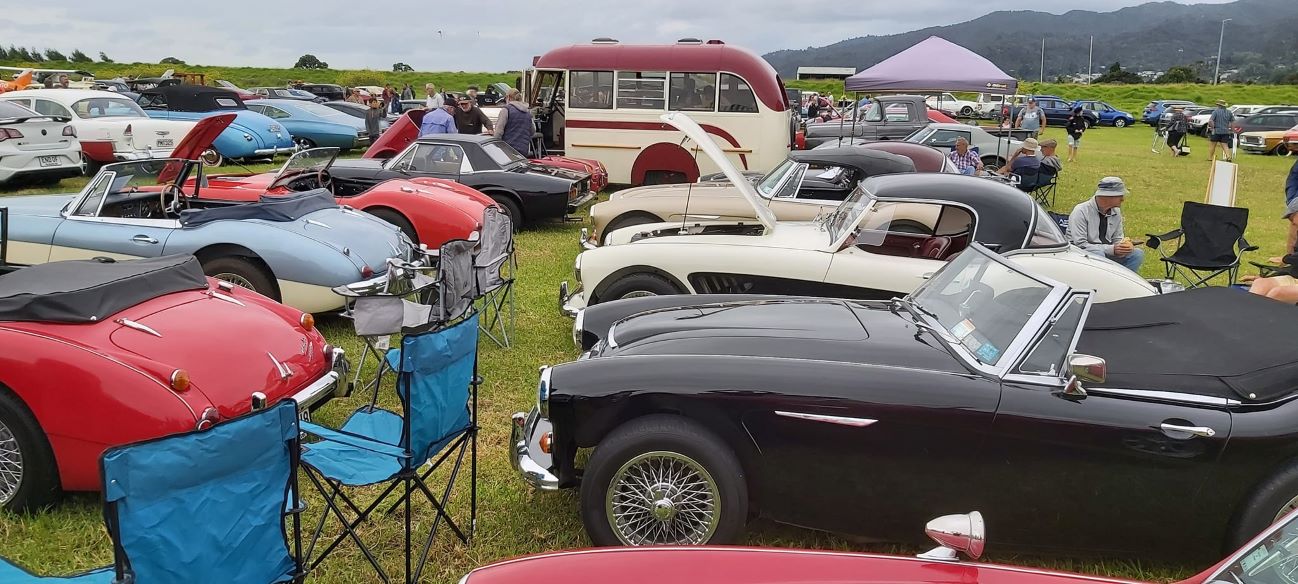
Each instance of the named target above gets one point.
<point>143,239</point>
<point>1202,431</point>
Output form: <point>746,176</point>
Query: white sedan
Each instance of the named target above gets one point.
<point>890,234</point>
<point>36,147</point>
<point>110,127</point>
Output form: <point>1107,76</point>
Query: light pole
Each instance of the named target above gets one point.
<point>1042,75</point>
<point>1216,75</point>
<point>1089,53</point>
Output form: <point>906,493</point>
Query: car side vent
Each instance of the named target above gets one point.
<point>604,41</point>
<point>689,41</point>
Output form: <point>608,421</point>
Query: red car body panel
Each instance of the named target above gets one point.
<point>405,131</point>
<point>439,210</point>
<point>96,385</point>
<point>1291,139</point>
<point>200,138</point>
<point>737,565</point>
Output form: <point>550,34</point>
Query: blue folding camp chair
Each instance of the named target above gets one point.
<point>204,506</point>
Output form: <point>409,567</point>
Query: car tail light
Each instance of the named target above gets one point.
<point>367,272</point>
<point>128,132</point>
<point>209,418</point>
<point>307,321</point>
<point>69,131</point>
<point>8,133</point>
<point>180,381</point>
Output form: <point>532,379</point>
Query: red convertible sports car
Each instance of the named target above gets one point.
<point>405,131</point>
<point>96,353</point>
<point>1270,558</point>
<point>430,211</point>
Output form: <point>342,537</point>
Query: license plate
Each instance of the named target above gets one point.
<point>49,161</point>
<point>166,143</point>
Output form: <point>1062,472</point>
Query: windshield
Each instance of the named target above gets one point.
<point>981,303</point>
<point>313,161</point>
<point>323,111</point>
<point>122,181</point>
<point>502,153</point>
<point>1047,232</point>
<point>766,186</point>
<point>107,107</point>
<point>918,136</point>
<point>1274,560</point>
<point>848,214</point>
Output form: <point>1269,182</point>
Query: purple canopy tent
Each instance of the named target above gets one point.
<point>934,64</point>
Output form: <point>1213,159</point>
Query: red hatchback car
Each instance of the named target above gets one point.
<point>94,354</point>
<point>1270,558</point>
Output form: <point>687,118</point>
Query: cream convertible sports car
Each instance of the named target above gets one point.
<point>890,234</point>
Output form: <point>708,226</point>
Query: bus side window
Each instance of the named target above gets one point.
<point>692,92</point>
<point>736,95</point>
<point>592,89</point>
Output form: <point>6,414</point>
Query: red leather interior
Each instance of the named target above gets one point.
<point>935,248</point>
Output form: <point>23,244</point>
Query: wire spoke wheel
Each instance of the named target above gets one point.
<point>660,498</point>
<point>1284,509</point>
<point>11,464</point>
<point>639,294</point>
<point>236,279</point>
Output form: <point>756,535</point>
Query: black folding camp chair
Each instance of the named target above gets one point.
<point>494,266</point>
<point>1043,191</point>
<point>1028,178</point>
<point>1210,241</point>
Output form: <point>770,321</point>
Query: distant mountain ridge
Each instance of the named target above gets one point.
<point>1262,36</point>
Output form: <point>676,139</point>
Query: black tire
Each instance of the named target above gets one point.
<point>638,285</point>
<point>511,210</point>
<point>627,220</point>
<point>397,219</point>
<point>1120,123</point>
<point>678,439</point>
<point>241,272</point>
<point>38,483</point>
<point>89,167</point>
<point>1281,150</point>
<point>1260,510</point>
<point>966,111</point>
<point>304,143</point>
<point>1088,123</point>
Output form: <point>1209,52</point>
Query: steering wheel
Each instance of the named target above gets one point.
<point>324,180</point>
<point>176,195</point>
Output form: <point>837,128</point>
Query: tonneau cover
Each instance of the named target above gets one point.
<point>1212,341</point>
<point>89,290</point>
<point>268,208</point>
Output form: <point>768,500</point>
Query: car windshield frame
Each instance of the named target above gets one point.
<point>1256,555</point>
<point>845,218</point>
<point>304,161</point>
<point>169,171</point>
<point>957,331</point>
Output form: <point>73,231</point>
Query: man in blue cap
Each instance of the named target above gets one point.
<point>1095,225</point>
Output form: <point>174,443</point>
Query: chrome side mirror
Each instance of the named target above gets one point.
<point>956,534</point>
<point>1087,368</point>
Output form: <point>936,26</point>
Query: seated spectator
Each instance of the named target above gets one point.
<point>965,160</point>
<point>1095,225</point>
<point>1047,156</point>
<point>438,120</point>
<point>1023,158</point>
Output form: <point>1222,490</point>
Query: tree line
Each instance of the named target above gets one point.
<point>35,55</point>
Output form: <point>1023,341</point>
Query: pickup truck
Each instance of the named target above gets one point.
<point>886,117</point>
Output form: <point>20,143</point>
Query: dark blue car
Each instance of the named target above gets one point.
<point>1107,114</point>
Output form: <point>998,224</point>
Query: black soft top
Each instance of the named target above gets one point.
<point>268,208</point>
<point>84,291</point>
<point>1004,212</point>
<point>1218,342</point>
<point>195,98</point>
<point>867,162</point>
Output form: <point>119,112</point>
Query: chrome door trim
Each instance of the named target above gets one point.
<point>839,420</point>
<point>1206,400</point>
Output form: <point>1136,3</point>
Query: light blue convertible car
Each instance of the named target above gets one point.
<point>252,135</point>
<point>293,249</point>
<point>314,125</point>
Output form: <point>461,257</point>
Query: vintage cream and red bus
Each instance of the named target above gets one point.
<point>602,100</point>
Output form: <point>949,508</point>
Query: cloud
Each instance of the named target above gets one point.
<point>495,36</point>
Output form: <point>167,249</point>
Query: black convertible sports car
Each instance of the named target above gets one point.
<point>527,192</point>
<point>1155,425</point>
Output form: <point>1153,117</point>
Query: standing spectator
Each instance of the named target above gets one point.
<point>1176,129</point>
<point>515,125</point>
<point>435,99</point>
<point>472,92</point>
<point>437,120</point>
<point>1095,225</point>
<point>407,92</point>
<point>813,105</point>
<point>965,160</point>
<point>372,117</point>
<point>469,119</point>
<point>1031,119</point>
<point>1219,130</point>
<point>1075,127</point>
<point>389,94</point>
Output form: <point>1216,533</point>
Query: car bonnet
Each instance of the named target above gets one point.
<point>700,137</point>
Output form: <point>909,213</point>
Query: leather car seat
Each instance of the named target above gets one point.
<point>935,248</point>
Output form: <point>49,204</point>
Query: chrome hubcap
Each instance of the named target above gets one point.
<point>638,294</point>
<point>1286,508</point>
<point>662,498</point>
<point>11,464</point>
<point>235,279</point>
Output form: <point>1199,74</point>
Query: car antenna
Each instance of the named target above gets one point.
<point>689,189</point>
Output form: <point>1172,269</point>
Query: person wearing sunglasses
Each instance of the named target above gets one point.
<point>469,118</point>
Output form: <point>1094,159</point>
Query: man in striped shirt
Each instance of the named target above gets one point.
<point>965,161</point>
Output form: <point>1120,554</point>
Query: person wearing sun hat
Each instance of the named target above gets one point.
<point>1023,158</point>
<point>1220,131</point>
<point>1095,225</point>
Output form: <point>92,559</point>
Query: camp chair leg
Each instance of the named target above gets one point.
<point>446,453</point>
<point>349,527</point>
<point>441,513</point>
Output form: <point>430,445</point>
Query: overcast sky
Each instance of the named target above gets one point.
<point>475,35</point>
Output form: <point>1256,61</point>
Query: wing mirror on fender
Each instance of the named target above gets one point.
<point>956,534</point>
<point>1081,368</point>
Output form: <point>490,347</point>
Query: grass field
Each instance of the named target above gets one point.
<point>514,520</point>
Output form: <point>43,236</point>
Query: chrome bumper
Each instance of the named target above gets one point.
<point>275,151</point>
<point>577,203</point>
<point>584,243</point>
<point>525,434</point>
<point>332,384</point>
<point>570,303</point>
<point>145,154</point>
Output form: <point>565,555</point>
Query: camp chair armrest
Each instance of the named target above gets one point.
<point>353,440</point>
<point>1245,246</point>
<point>1155,240</point>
